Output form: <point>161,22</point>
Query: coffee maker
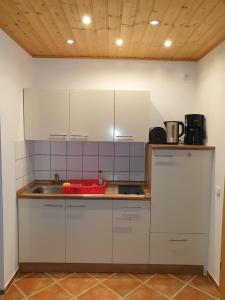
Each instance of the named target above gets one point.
<point>194,129</point>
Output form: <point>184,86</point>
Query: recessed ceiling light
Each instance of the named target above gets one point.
<point>86,20</point>
<point>154,22</point>
<point>70,41</point>
<point>168,43</point>
<point>119,42</point>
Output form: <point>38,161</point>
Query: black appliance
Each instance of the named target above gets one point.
<point>194,129</point>
<point>131,189</point>
<point>157,135</point>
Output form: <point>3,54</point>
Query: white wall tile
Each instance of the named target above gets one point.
<point>137,164</point>
<point>42,175</point>
<point>58,162</point>
<point>121,164</point>
<point>41,147</point>
<point>29,148</point>
<point>90,175</point>
<point>74,163</point>
<point>74,175</point>
<point>121,175</point>
<point>107,175</point>
<point>27,165</point>
<point>19,168</point>
<point>106,163</point>
<point>137,176</point>
<point>90,148</point>
<point>90,163</point>
<point>137,149</point>
<point>74,148</point>
<point>41,162</point>
<point>106,148</point>
<point>58,148</point>
<point>28,179</point>
<point>122,149</point>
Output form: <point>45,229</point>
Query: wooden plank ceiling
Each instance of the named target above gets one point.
<point>42,27</point>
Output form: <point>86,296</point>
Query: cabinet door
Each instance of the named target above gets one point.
<point>46,114</point>
<point>181,249</point>
<point>91,115</point>
<point>132,115</point>
<point>181,181</point>
<point>88,231</point>
<point>131,228</point>
<point>41,230</point>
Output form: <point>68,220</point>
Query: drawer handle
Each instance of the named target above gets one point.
<point>124,136</point>
<point>53,205</point>
<point>76,206</point>
<point>166,155</point>
<point>125,207</point>
<point>60,135</point>
<point>178,240</point>
<point>79,135</point>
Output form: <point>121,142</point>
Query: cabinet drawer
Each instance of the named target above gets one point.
<point>184,249</point>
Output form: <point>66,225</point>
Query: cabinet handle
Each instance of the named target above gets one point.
<point>166,155</point>
<point>79,135</point>
<point>58,135</point>
<point>76,206</point>
<point>178,240</point>
<point>127,219</point>
<point>53,205</point>
<point>125,136</point>
<point>131,207</point>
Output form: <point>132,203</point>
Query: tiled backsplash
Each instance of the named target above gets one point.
<point>118,161</point>
<point>24,168</point>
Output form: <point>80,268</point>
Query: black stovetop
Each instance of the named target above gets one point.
<point>131,189</point>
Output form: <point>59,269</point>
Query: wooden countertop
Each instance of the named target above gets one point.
<point>181,147</point>
<point>111,193</point>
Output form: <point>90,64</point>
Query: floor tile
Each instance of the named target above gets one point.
<point>21,275</point>
<point>142,277</point>
<point>122,284</point>
<point>99,292</point>
<point>190,293</point>
<point>165,284</point>
<point>145,293</point>
<point>53,292</point>
<point>78,283</point>
<point>101,276</point>
<point>183,277</point>
<point>13,294</point>
<point>58,275</point>
<point>203,283</point>
<point>33,283</point>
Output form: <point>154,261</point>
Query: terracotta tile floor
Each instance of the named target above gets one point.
<point>103,286</point>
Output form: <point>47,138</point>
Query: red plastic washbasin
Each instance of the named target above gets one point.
<point>84,186</point>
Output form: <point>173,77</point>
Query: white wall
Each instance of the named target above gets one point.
<point>172,94</point>
<point>15,74</point>
<point>210,100</point>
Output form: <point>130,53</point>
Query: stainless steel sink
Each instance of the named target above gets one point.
<point>46,189</point>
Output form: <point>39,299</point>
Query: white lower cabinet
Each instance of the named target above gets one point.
<point>41,230</point>
<point>89,231</point>
<point>184,249</point>
<point>131,227</point>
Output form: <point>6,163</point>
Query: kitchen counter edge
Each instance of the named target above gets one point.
<point>111,193</point>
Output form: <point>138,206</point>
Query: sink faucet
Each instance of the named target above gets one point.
<point>56,179</point>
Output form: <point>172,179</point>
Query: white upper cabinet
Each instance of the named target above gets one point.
<point>91,115</point>
<point>46,114</point>
<point>132,115</point>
